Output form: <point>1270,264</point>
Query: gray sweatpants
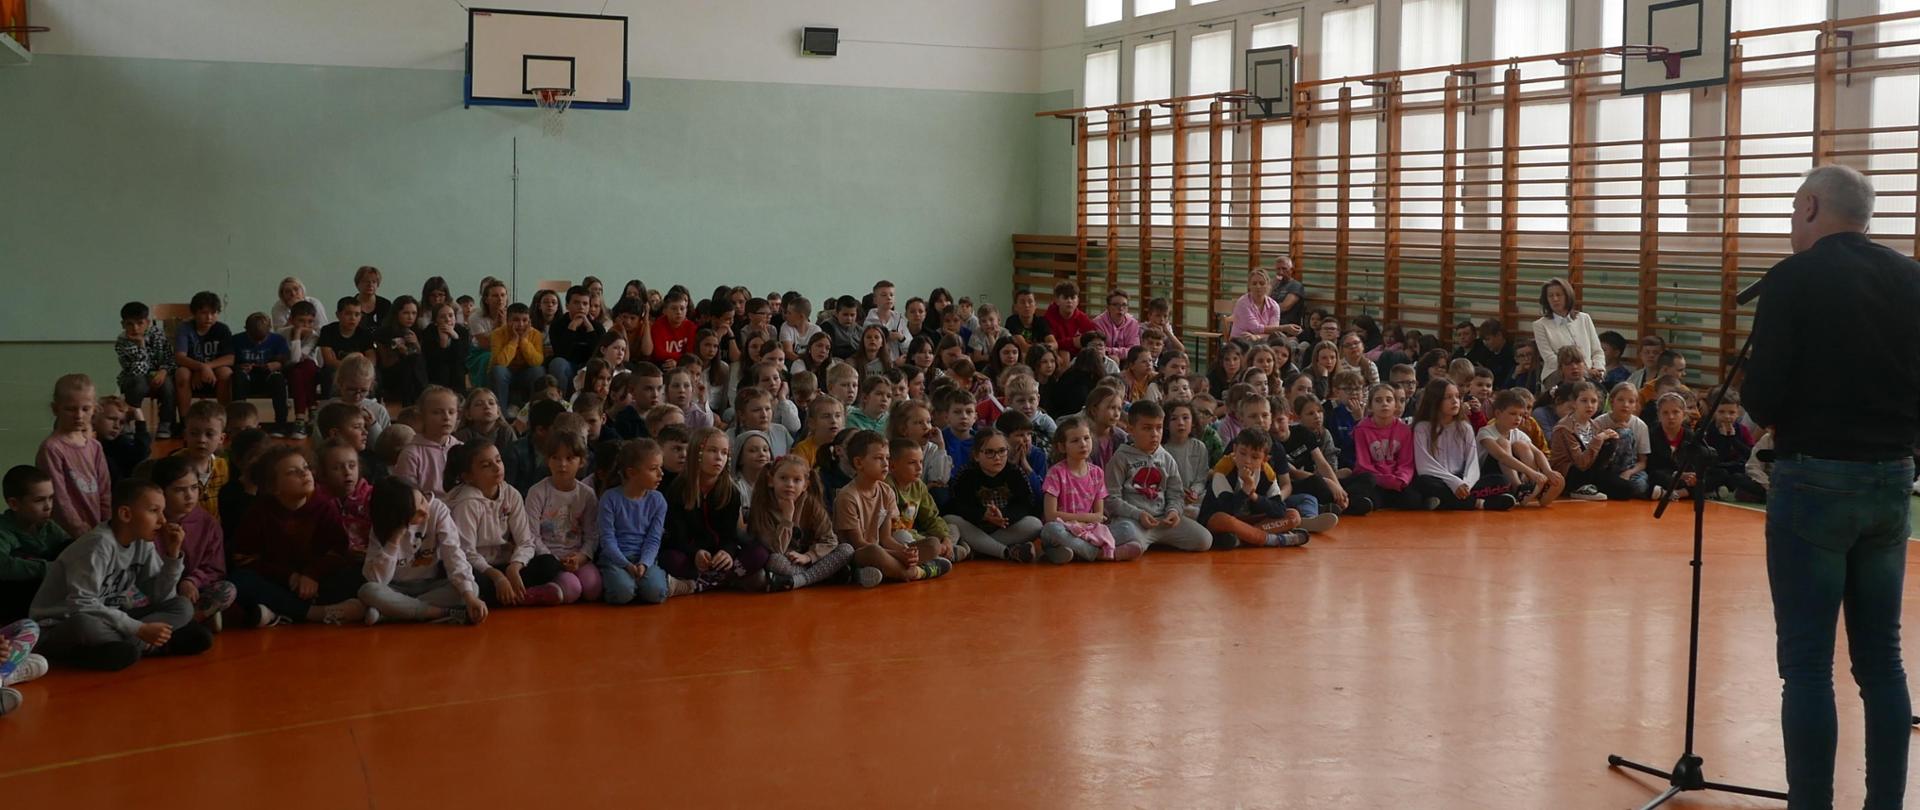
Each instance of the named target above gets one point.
<point>816,573</point>
<point>1187,535</point>
<point>994,544</point>
<point>409,600</point>
<point>75,633</point>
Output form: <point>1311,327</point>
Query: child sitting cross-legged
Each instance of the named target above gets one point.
<point>1583,451</point>
<point>916,519</point>
<point>345,493</point>
<point>631,517</point>
<point>1189,452</point>
<point>1383,448</point>
<point>108,599</point>
<point>992,509</point>
<point>705,545</point>
<point>1446,456</point>
<point>29,538</point>
<point>1146,493</point>
<point>864,512</point>
<point>203,579</point>
<point>1635,444</point>
<point>290,557</point>
<point>565,515</point>
<point>1508,450</point>
<point>1315,462</point>
<point>791,520</point>
<point>1074,497</point>
<point>510,565</point>
<point>1246,503</point>
<point>416,567</point>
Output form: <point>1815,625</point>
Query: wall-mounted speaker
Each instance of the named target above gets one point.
<point>820,41</point>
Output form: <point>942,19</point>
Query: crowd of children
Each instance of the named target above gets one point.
<point>462,455</point>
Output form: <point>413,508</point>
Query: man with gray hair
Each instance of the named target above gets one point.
<point>1836,375</point>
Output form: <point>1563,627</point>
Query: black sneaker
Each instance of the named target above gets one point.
<point>1360,506</point>
<point>1500,503</point>
<point>1020,553</point>
<point>192,639</point>
<point>1225,542</point>
<point>111,657</point>
<point>777,582</point>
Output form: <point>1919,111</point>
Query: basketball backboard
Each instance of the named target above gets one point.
<point>1270,81</point>
<point>1696,33</point>
<point>511,54</point>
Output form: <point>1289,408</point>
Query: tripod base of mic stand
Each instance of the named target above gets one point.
<point>1686,776</point>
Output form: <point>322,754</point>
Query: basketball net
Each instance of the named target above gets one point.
<point>553,102</point>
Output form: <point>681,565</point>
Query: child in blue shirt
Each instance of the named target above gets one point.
<point>632,518</point>
<point>258,355</point>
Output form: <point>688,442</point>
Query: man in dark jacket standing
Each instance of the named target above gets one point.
<point>1835,373</point>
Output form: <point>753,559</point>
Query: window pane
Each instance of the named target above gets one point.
<point>1429,36</point>
<point>1097,181</point>
<point>1103,79</point>
<point>1346,42</point>
<point>1279,32</point>
<point>1617,120</point>
<point>1101,12</point>
<point>1773,14</point>
<point>1141,7</point>
<point>1210,63</point>
<point>1529,28</point>
<point>1153,70</point>
<point>1276,187</point>
<point>1612,18</point>
<point>1893,106</point>
<point>1198,173</point>
<point>1419,196</point>
<point>1774,108</point>
<point>1898,31</point>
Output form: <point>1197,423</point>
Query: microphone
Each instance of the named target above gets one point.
<point>1752,291</point>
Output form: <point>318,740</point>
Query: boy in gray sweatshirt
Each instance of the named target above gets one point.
<point>111,597</point>
<point>1146,499</point>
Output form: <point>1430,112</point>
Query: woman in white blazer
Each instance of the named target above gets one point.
<point>1561,323</point>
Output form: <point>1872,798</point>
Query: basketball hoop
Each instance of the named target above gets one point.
<point>553,102</point>
<point>1652,53</point>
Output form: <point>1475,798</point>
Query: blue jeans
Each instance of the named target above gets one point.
<point>1837,539</point>
<point>505,380</point>
<point>619,587</point>
<point>562,369</point>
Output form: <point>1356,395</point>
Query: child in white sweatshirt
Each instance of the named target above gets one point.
<point>510,566</point>
<point>417,567</point>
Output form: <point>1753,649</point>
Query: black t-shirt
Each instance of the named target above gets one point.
<point>1299,446</point>
<point>1034,331</point>
<point>360,341</point>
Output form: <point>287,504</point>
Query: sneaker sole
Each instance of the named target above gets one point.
<point>1320,523</point>
<point>1058,556</point>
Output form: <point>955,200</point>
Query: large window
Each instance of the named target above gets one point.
<point>1541,124</point>
<point>1102,79</point>
<point>1143,7</point>
<point>1153,70</point>
<point>1282,31</point>
<point>1780,108</point>
<point>1617,121</point>
<point>1101,12</point>
<point>1346,42</point>
<point>1210,62</point>
<point>1431,34</point>
<point>1898,31</point>
<point>1529,28</point>
<point>1753,16</point>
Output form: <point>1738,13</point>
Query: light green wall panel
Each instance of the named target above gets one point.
<point>150,179</point>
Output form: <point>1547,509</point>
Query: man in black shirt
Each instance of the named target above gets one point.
<point>1835,373</point>
<point>575,336</point>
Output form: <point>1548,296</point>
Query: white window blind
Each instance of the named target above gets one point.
<point>1346,42</point>
<point>1153,70</point>
<point>1896,103</point>
<point>1898,30</point>
<point>1785,108</point>
<point>1101,12</point>
<point>1753,16</point>
<point>1143,7</point>
<point>1210,62</point>
<point>1540,123</point>
<point>1283,31</point>
<point>1430,36</point>
<point>1617,120</point>
<point>1102,79</point>
<point>1530,28</point>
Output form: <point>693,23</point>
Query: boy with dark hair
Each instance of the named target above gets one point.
<point>843,327</point>
<point>575,335</point>
<point>258,355</point>
<point>342,339</point>
<point>1492,349</point>
<point>203,352</point>
<point>1614,346</point>
<point>1064,318</point>
<point>885,315</point>
<point>1245,502</point>
<point>29,539</point>
<point>110,597</point>
<point>519,358</point>
<point>1146,496</point>
<point>1025,325</point>
<point>525,462</point>
<point>122,432</point>
<point>146,365</point>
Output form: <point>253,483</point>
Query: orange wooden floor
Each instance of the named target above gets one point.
<point>1404,661</point>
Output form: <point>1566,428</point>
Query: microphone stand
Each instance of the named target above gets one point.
<point>1698,457</point>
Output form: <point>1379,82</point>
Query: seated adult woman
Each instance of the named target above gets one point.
<point>1561,323</point>
<point>1256,314</point>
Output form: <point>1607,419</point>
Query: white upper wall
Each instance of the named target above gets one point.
<point>981,45</point>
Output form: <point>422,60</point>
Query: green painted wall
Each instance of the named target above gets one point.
<point>150,179</point>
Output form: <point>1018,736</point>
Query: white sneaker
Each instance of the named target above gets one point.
<point>10,699</point>
<point>1587,493</point>
<point>35,666</point>
<point>1659,492</point>
<point>1323,522</point>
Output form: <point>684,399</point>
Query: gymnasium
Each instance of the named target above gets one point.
<point>996,403</point>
